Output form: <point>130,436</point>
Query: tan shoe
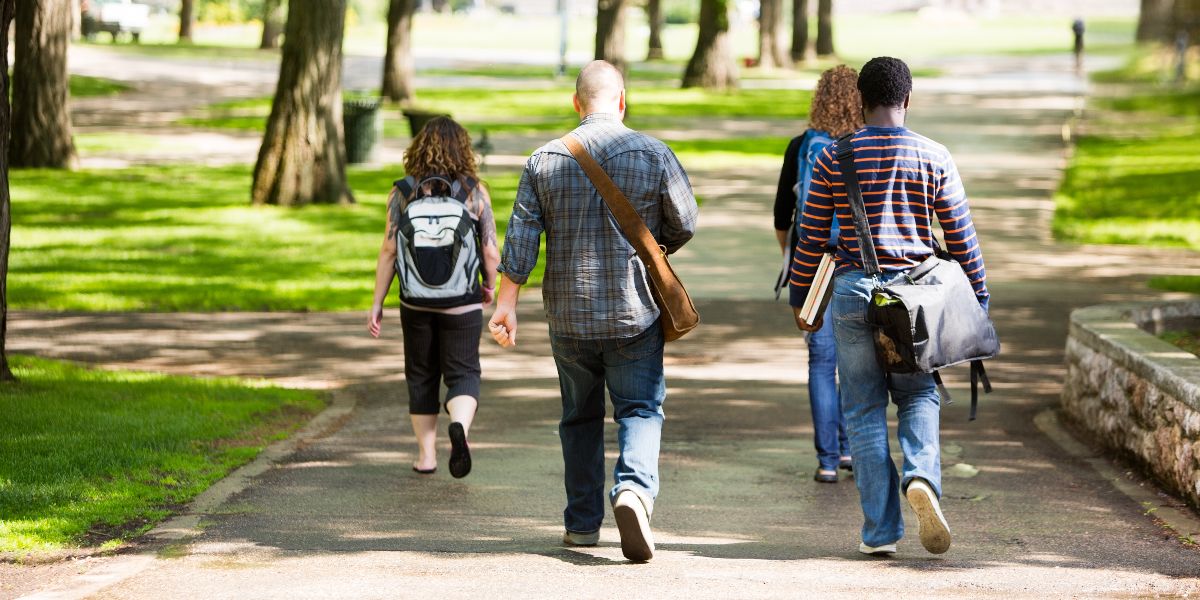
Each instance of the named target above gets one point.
<point>637,541</point>
<point>574,538</point>
<point>935,532</point>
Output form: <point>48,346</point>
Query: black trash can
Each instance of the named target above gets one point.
<point>417,118</point>
<point>363,126</point>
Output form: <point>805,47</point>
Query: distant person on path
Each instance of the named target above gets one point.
<point>905,179</point>
<point>1077,28</point>
<point>604,329</point>
<point>440,241</point>
<point>836,111</point>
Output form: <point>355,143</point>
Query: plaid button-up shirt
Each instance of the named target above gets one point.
<point>595,285</point>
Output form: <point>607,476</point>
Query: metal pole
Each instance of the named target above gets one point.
<point>563,20</point>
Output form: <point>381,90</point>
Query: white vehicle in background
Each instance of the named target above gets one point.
<point>115,17</point>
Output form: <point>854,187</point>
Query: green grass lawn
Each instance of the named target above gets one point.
<point>92,457</point>
<point>186,238</point>
<point>545,110</point>
<point>1135,177</point>
<point>83,86</point>
<point>1188,340</point>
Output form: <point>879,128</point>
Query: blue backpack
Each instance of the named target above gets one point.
<point>811,145</point>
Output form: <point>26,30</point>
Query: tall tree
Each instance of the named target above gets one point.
<point>303,156</point>
<point>610,32</point>
<point>6,16</point>
<point>824,27</point>
<point>41,123</point>
<point>770,34</point>
<point>273,17</point>
<point>187,17</point>
<point>654,15</point>
<point>398,71</point>
<point>799,30</point>
<point>712,63</point>
<point>1154,21</point>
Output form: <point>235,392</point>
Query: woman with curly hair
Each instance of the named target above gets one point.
<point>441,242</point>
<point>836,111</point>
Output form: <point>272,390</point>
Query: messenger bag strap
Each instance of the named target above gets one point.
<point>844,150</point>
<point>631,223</point>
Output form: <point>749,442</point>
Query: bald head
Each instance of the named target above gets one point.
<point>599,88</point>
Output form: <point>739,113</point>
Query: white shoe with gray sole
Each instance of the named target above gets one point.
<point>884,550</point>
<point>935,532</point>
<point>637,542</point>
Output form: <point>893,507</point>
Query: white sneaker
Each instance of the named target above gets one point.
<point>573,538</point>
<point>637,542</point>
<point>884,550</point>
<point>935,533</point>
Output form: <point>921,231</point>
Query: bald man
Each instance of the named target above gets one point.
<point>604,329</point>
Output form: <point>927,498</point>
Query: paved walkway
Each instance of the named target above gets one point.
<point>343,516</point>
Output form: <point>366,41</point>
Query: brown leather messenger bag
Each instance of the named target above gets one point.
<point>679,315</point>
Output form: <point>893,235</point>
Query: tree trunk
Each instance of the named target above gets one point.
<point>770,34</point>
<point>398,71</point>
<point>712,64</point>
<point>824,27</point>
<point>303,155</point>
<point>1154,21</point>
<point>187,16</point>
<point>654,14</point>
<point>41,123</point>
<point>6,16</point>
<point>76,19</point>
<point>610,32</point>
<point>273,17</point>
<point>799,30</point>
<point>441,6</point>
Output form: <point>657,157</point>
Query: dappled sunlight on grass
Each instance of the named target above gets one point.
<point>186,238</point>
<point>89,455</point>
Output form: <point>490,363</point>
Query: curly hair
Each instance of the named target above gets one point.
<point>442,147</point>
<point>836,105</point>
<point>885,81</point>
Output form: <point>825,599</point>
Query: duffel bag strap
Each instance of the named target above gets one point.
<point>941,388</point>
<point>844,148</point>
<point>978,375</point>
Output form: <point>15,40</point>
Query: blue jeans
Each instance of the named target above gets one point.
<point>632,370</point>
<point>829,430</point>
<point>865,391</point>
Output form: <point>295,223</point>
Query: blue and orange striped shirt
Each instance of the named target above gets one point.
<point>905,178</point>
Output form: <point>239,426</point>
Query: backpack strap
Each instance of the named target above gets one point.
<point>844,150</point>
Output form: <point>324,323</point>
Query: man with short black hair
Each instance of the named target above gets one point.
<point>905,180</point>
<point>604,324</point>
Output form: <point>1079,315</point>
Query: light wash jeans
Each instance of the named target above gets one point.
<point>632,370</point>
<point>865,391</point>
<point>829,429</point>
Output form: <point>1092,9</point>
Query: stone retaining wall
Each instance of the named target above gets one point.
<point>1135,393</point>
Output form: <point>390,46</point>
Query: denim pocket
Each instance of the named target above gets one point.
<point>565,349</point>
<point>850,318</point>
<point>644,344</point>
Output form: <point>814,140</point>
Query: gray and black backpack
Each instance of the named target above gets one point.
<point>437,243</point>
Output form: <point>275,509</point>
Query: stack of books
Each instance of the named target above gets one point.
<point>820,292</point>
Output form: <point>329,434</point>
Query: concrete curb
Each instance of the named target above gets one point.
<point>1184,523</point>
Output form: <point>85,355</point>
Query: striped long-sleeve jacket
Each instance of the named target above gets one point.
<point>906,179</point>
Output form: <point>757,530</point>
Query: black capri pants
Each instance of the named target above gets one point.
<point>438,346</point>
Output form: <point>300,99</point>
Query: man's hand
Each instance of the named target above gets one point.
<point>503,326</point>
<point>375,319</point>
<point>804,326</point>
